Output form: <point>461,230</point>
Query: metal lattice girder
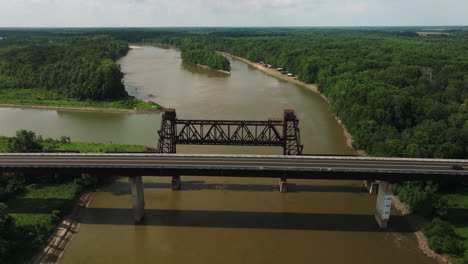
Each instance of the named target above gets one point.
<point>255,133</point>
<point>283,133</point>
<point>167,133</point>
<point>292,141</point>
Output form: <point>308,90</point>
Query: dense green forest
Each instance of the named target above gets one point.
<point>73,71</point>
<point>195,52</point>
<point>32,205</point>
<point>77,67</point>
<point>206,57</point>
<point>399,96</point>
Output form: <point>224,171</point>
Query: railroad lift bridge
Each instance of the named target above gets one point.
<point>280,133</point>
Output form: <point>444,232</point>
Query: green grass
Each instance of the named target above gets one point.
<point>38,202</point>
<point>96,148</point>
<point>38,97</point>
<point>36,212</point>
<point>80,146</point>
<point>458,214</point>
<point>458,211</point>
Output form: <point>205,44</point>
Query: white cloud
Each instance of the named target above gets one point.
<point>88,13</point>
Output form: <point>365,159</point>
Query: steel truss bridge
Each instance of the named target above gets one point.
<point>282,133</point>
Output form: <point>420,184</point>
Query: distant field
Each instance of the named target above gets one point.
<point>423,33</point>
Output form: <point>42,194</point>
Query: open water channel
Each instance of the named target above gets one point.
<point>221,220</point>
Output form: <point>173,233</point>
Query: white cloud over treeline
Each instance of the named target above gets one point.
<point>156,13</point>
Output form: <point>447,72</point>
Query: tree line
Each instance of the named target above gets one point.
<point>198,54</point>
<point>399,96</point>
<point>82,67</point>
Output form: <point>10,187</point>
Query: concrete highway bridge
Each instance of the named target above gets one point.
<point>274,132</point>
<point>387,170</point>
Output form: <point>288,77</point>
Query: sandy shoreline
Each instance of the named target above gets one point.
<point>80,109</point>
<point>313,88</point>
<point>211,69</point>
<point>68,228</point>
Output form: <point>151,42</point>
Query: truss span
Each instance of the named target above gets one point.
<point>282,133</point>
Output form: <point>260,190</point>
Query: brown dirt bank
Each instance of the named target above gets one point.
<point>209,68</point>
<point>80,109</point>
<point>416,222</point>
<point>313,88</point>
<point>53,252</point>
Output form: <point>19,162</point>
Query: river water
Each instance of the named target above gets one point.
<point>221,220</point>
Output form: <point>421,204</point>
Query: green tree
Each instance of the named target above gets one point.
<point>24,141</point>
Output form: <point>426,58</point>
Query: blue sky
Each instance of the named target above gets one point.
<point>199,13</point>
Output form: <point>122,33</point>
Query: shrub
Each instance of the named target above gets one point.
<point>24,141</point>
<point>442,237</point>
<point>423,199</point>
<point>465,259</point>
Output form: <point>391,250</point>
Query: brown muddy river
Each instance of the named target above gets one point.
<point>227,220</point>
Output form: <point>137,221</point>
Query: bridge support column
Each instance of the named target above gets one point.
<point>176,183</point>
<point>138,198</point>
<point>384,203</point>
<point>371,186</point>
<point>283,184</point>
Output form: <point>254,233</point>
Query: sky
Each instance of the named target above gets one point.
<point>231,13</point>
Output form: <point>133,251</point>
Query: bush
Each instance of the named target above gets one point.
<point>423,199</point>
<point>6,228</point>
<point>442,237</point>
<point>25,141</point>
<point>465,259</point>
<point>10,184</point>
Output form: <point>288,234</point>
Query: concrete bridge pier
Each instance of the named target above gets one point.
<point>384,203</point>
<point>283,184</point>
<point>176,183</point>
<point>371,186</point>
<point>138,198</point>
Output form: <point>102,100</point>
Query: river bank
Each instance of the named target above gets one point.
<point>313,88</point>
<point>82,109</point>
<point>67,229</point>
<point>416,222</point>
<point>211,69</point>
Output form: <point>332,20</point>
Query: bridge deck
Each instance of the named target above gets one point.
<point>299,167</point>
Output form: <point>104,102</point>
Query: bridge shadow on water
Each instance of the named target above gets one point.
<point>122,188</point>
<point>238,219</point>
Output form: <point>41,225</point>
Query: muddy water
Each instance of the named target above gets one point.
<point>230,220</point>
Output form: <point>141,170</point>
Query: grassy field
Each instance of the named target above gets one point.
<point>36,212</point>
<point>37,203</point>
<point>37,97</point>
<point>458,212</point>
<point>80,146</point>
<point>96,147</point>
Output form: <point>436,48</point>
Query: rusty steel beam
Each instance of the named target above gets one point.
<point>282,133</point>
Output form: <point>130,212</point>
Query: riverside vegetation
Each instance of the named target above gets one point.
<point>32,205</point>
<point>398,93</point>
<point>79,71</point>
